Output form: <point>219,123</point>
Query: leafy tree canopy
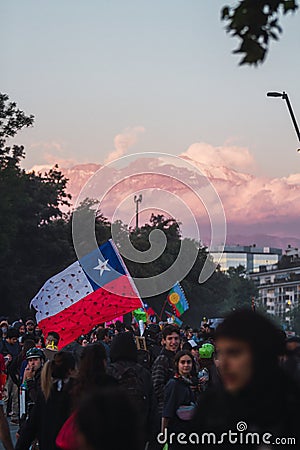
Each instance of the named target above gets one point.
<point>255,23</point>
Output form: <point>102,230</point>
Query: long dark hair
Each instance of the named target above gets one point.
<point>106,418</point>
<point>92,366</point>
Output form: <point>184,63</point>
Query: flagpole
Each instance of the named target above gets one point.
<point>163,308</point>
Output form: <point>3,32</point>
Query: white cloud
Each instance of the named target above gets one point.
<point>233,157</point>
<point>124,141</point>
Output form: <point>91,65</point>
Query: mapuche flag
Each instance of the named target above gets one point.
<point>95,289</point>
<point>177,299</point>
<point>174,319</point>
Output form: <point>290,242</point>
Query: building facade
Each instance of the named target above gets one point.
<point>249,256</point>
<point>278,289</point>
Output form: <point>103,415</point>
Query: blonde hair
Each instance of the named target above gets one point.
<point>46,379</point>
<point>57,369</point>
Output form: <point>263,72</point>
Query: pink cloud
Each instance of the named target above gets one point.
<point>124,141</point>
<point>251,203</point>
<point>51,153</point>
<point>233,157</point>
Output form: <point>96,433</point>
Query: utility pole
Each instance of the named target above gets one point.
<point>137,201</point>
<point>285,97</point>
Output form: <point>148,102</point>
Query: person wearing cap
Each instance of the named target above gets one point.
<point>207,374</point>
<point>35,358</point>
<point>255,390</point>
<point>32,378</point>
<point>30,327</point>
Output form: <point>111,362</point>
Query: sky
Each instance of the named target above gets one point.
<point>106,77</point>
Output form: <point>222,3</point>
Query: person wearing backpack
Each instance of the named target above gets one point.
<point>134,379</point>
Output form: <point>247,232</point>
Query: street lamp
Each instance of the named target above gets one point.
<point>285,97</point>
<point>137,200</point>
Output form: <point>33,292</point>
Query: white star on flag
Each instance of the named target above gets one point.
<point>102,266</point>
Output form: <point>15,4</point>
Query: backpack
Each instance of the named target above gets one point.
<point>144,359</point>
<point>131,380</point>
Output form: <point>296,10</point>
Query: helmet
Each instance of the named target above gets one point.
<point>35,353</point>
<point>206,351</point>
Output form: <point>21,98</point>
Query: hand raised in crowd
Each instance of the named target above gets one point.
<point>29,373</point>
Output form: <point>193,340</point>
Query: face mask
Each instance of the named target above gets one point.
<point>4,329</point>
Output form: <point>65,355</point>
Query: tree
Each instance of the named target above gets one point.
<point>35,239</point>
<point>220,294</point>
<point>295,319</point>
<point>240,289</point>
<point>255,23</point>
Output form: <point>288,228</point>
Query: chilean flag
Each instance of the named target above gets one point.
<point>97,288</point>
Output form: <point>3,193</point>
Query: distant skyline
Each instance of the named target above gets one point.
<point>103,78</point>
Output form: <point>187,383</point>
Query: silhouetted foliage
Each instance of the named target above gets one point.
<point>34,232</point>
<point>255,23</point>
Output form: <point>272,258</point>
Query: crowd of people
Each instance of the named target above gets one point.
<point>113,389</point>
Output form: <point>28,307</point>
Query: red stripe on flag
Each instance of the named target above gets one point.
<point>97,307</point>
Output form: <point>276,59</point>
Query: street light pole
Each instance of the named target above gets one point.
<point>137,200</point>
<point>285,97</point>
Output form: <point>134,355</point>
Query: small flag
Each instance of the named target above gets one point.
<point>177,299</point>
<point>174,319</point>
<point>140,314</point>
<point>151,314</point>
<point>95,289</point>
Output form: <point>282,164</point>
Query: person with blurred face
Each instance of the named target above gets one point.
<point>163,367</point>
<point>235,364</point>
<point>255,389</point>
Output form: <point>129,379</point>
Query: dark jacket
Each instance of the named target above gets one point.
<point>46,419</point>
<point>148,405</point>
<point>177,393</point>
<point>13,350</point>
<point>163,370</point>
<point>270,405</point>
